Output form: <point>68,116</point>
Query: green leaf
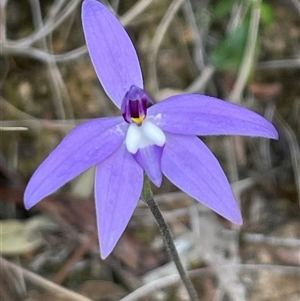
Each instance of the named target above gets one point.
<point>267,13</point>
<point>229,52</point>
<point>222,8</point>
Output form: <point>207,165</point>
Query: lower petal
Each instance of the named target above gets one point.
<point>150,160</point>
<point>190,165</point>
<point>118,186</point>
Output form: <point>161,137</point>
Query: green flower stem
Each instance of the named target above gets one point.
<point>147,197</point>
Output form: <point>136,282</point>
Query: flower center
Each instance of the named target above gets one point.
<point>141,133</point>
<point>134,105</point>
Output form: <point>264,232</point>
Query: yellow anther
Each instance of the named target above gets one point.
<point>138,120</point>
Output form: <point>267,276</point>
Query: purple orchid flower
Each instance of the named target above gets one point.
<point>160,139</point>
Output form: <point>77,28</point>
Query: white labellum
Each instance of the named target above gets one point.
<point>146,134</point>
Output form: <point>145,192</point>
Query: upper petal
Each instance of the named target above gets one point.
<point>87,145</point>
<point>194,114</point>
<point>118,186</point>
<point>189,164</point>
<point>111,51</point>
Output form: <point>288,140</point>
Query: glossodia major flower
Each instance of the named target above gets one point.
<point>153,138</point>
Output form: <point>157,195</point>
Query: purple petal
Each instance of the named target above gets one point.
<point>189,164</point>
<point>118,186</point>
<point>150,160</point>
<point>87,145</point>
<point>111,51</point>
<point>194,114</point>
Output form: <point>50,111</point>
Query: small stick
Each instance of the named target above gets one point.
<point>42,282</point>
<point>168,239</point>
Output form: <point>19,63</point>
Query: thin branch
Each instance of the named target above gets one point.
<point>169,280</point>
<point>293,147</point>
<point>169,241</point>
<point>157,40</point>
<point>136,10</point>
<point>42,282</point>
<point>248,57</point>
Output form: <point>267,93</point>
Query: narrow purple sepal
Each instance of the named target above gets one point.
<point>118,186</point>
<point>189,164</point>
<point>111,51</point>
<point>85,146</point>
<point>150,160</point>
<point>193,114</point>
